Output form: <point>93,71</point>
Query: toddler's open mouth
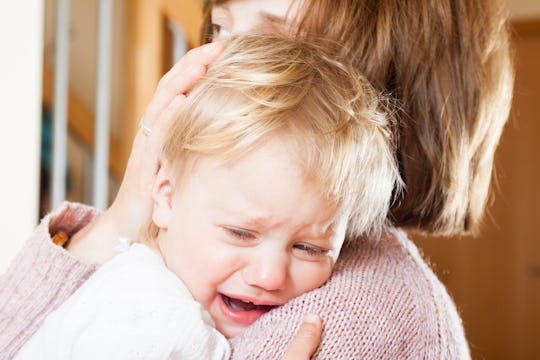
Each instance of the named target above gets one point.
<point>243,311</point>
<point>241,305</point>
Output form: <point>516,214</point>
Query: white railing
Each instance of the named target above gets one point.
<point>61,84</point>
<point>102,110</point>
<point>102,107</point>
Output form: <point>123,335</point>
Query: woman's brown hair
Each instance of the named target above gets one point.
<point>447,63</point>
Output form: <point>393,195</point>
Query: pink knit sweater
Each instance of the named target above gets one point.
<point>382,302</point>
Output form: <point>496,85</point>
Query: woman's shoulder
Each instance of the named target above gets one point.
<point>398,293</point>
<point>392,265</point>
<point>382,302</point>
<point>30,284</point>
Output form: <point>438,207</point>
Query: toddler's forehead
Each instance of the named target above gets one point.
<point>280,160</point>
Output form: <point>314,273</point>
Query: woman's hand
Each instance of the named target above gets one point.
<point>307,339</point>
<point>133,205</point>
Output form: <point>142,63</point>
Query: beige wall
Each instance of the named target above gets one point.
<point>523,9</point>
<point>21,36</point>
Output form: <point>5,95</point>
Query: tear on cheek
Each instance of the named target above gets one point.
<point>330,254</point>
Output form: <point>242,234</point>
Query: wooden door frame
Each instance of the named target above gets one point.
<point>145,49</point>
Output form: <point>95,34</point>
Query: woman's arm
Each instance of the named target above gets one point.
<point>41,277</point>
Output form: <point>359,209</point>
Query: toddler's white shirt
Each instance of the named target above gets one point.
<point>132,307</point>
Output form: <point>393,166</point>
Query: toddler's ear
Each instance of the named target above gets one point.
<point>162,196</point>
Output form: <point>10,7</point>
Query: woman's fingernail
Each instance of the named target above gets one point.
<point>192,69</point>
<point>312,319</point>
<point>211,48</point>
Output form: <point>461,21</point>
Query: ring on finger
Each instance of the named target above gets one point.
<point>146,130</point>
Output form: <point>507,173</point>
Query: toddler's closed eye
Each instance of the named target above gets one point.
<point>240,234</point>
<point>311,252</point>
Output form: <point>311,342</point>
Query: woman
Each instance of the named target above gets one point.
<point>447,64</point>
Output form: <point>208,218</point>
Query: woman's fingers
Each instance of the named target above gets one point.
<point>203,55</point>
<point>168,98</point>
<point>307,339</point>
<point>179,82</point>
<point>181,78</point>
<point>133,204</point>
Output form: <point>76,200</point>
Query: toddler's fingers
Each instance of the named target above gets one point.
<point>307,339</point>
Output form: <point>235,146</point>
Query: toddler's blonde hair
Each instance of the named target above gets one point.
<point>269,85</point>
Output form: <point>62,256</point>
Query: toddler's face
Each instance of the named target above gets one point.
<point>248,235</point>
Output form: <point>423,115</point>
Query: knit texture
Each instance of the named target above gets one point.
<point>382,301</point>
<point>40,278</point>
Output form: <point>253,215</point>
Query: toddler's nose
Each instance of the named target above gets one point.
<point>268,271</point>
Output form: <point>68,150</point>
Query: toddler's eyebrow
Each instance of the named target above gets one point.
<point>322,231</point>
<point>246,217</point>
<point>251,219</point>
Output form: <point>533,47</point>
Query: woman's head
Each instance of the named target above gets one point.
<point>447,64</point>
<point>335,122</point>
